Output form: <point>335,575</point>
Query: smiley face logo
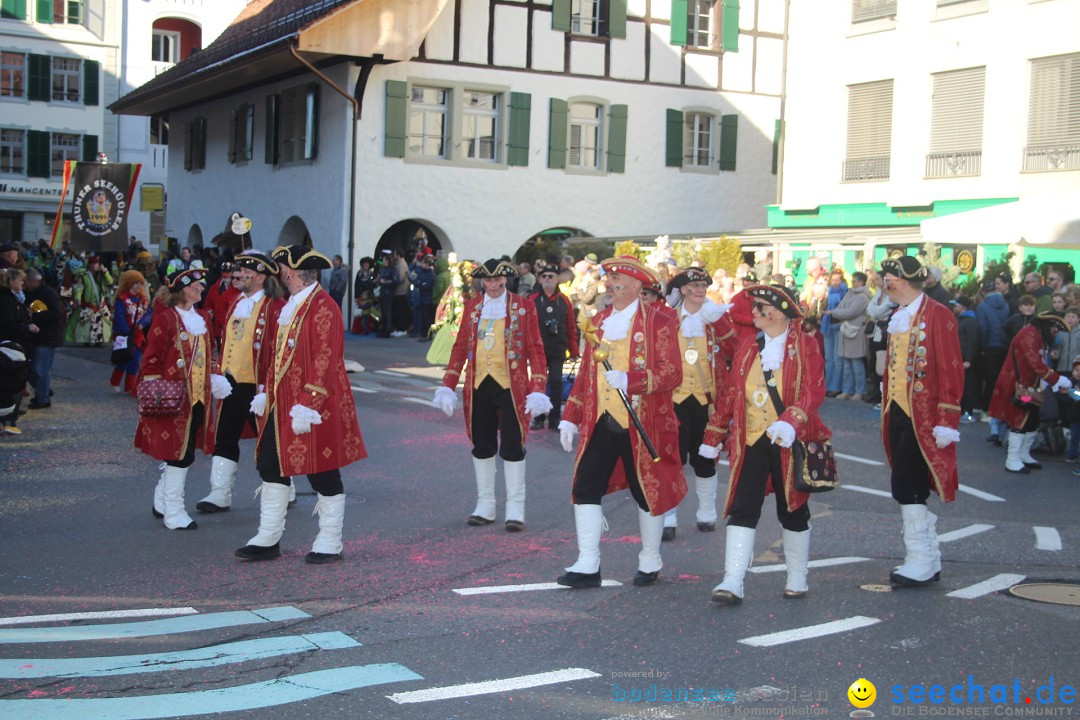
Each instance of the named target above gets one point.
<point>862,693</point>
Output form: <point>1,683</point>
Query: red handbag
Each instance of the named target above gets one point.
<point>161,397</point>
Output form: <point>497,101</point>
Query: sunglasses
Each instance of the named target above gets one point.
<point>547,275</point>
<point>760,307</point>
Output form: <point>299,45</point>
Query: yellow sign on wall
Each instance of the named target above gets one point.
<point>152,197</point>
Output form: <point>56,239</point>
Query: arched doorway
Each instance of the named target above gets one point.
<point>294,232</point>
<point>550,244</point>
<point>407,235</point>
<point>194,237</point>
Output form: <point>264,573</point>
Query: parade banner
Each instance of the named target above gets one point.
<point>100,207</point>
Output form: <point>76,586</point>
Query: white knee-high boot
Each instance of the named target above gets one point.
<point>706,495</point>
<point>514,473</point>
<point>922,559</point>
<point>1025,451</point>
<point>738,554</point>
<point>173,481</point>
<point>649,561</point>
<point>159,493</point>
<point>327,545</point>
<point>274,501</point>
<point>1013,463</point>
<point>484,514</point>
<point>589,525</point>
<point>222,475</point>
<point>796,557</point>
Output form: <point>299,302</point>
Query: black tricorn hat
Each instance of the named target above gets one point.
<point>301,257</point>
<point>777,296</point>
<point>494,268</point>
<point>689,275</point>
<point>905,267</point>
<point>257,261</point>
<point>182,278</point>
<point>1051,320</point>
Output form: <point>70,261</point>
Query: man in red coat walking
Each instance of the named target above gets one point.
<point>308,422</point>
<point>922,385</point>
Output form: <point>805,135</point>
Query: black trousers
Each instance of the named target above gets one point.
<point>493,418</point>
<point>235,413</point>
<point>693,417</point>
<point>971,384</point>
<point>1031,422</point>
<point>761,465</point>
<point>910,478</point>
<point>990,362</point>
<point>325,483</point>
<point>608,445</point>
<point>198,415</point>
<point>555,387</point>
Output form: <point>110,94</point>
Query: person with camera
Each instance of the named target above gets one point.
<point>559,333</point>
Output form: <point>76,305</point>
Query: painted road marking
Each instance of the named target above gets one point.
<point>291,689</point>
<point>391,373</point>
<point>494,686</point>
<point>1047,538</point>
<point>827,562</point>
<point>813,631</point>
<point>964,532</point>
<point>998,582</point>
<point>492,589</point>
<point>421,402</point>
<point>357,388</point>
<point>169,626</point>
<point>183,660</point>
<point>979,494</point>
<point>864,461</point>
<point>868,491</point>
<point>98,615</point>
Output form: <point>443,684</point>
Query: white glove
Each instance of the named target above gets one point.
<point>944,436</point>
<point>258,404</point>
<point>537,404</point>
<point>709,451</point>
<point>1063,383</point>
<point>616,379</point>
<point>445,399</point>
<point>303,418</point>
<point>567,431</point>
<point>220,387</point>
<point>781,433</point>
<point>710,312</point>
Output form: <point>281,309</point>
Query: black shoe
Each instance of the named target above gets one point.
<point>258,552</point>
<point>479,520</point>
<point>208,507</point>
<point>35,405</point>
<point>1022,471</point>
<point>537,424</point>
<point>641,579</point>
<point>579,580</point>
<point>322,558</point>
<point>725,597</point>
<point>832,393</point>
<point>190,526</point>
<point>1032,465</point>
<point>156,513</point>
<point>514,526</point>
<point>901,581</point>
<point>706,527</point>
<point>668,534</point>
<point>794,594</point>
<point>292,504</point>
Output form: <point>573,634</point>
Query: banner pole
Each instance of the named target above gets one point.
<point>69,170</point>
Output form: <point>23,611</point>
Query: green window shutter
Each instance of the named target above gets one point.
<point>729,131</point>
<point>520,123</point>
<point>91,68</point>
<point>232,136</point>
<point>39,87</point>
<point>89,148</point>
<point>776,146</point>
<point>397,113</point>
<point>37,154</point>
<point>678,22</point>
<point>557,131</point>
<point>617,19</point>
<point>187,146</point>
<point>273,106</point>
<point>44,11</point>
<point>616,155</point>
<point>560,15</point>
<point>730,38</point>
<point>13,9</point>
<point>198,144</point>
<point>674,150</point>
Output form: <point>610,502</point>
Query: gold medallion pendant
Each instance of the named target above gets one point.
<point>759,398</point>
<point>489,341</point>
<point>238,329</point>
<point>691,356</point>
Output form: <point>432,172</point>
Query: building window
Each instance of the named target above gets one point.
<point>586,132</point>
<point>956,124</point>
<point>480,125</point>
<point>869,132</point>
<point>298,124</point>
<point>12,74</point>
<point>195,144</point>
<point>165,46</point>
<point>598,18</point>
<point>64,147</point>
<point>869,10</point>
<point>12,152</point>
<point>428,122</point>
<point>66,76</point>
<point>697,140</point>
<point>242,137</point>
<point>159,130</point>
<point>1053,135</point>
<point>585,17</point>
<point>700,25</point>
<point>65,12</point>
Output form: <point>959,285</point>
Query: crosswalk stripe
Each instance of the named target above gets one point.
<point>981,494</point>
<point>813,631</point>
<point>493,686</point>
<point>868,491</point>
<point>391,373</point>
<point>1047,538</point>
<point>825,562</point>
<point>357,388</point>
<point>96,615</point>
<point>421,402</point>
<point>169,626</point>
<point>964,532</point>
<point>998,582</point>
<point>270,693</point>
<point>492,589</point>
<point>236,652</point>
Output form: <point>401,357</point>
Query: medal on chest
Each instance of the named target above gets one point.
<point>691,354</point>
<point>238,329</point>
<point>759,397</point>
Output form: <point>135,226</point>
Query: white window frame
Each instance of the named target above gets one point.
<point>868,147</point>
<point>162,123</point>
<point>62,147</point>
<point>9,70</point>
<point>585,17</point>
<point>694,21</point>
<point>64,7</point>
<point>244,139</point>
<point>594,126</point>
<point>70,75</point>
<point>956,123</point>
<point>10,146</point>
<point>166,44</point>
<point>692,150</point>
<point>429,114</point>
<point>296,131</point>
<point>471,145</point>
<point>1053,111</point>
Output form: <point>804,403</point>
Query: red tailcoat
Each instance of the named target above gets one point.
<point>1027,347</point>
<point>721,340</point>
<point>802,392</point>
<point>219,304</point>
<point>164,437</point>
<point>935,382</point>
<point>741,316</point>
<point>262,349</point>
<point>521,343</point>
<point>654,336</point>
<point>312,374</point>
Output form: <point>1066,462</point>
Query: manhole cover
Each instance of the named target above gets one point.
<point>876,588</point>
<point>1057,593</point>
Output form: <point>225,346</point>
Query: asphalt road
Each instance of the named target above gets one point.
<point>388,633</point>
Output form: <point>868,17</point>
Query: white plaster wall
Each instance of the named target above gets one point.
<point>738,68</point>
<point>548,46</point>
<point>665,61</point>
<point>824,58</point>
<point>474,31</point>
<point>511,25</point>
<point>702,70</point>
<point>439,42</point>
<point>586,58</point>
<point>628,55</point>
<point>770,16</point>
<point>770,63</point>
<point>661,9</point>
